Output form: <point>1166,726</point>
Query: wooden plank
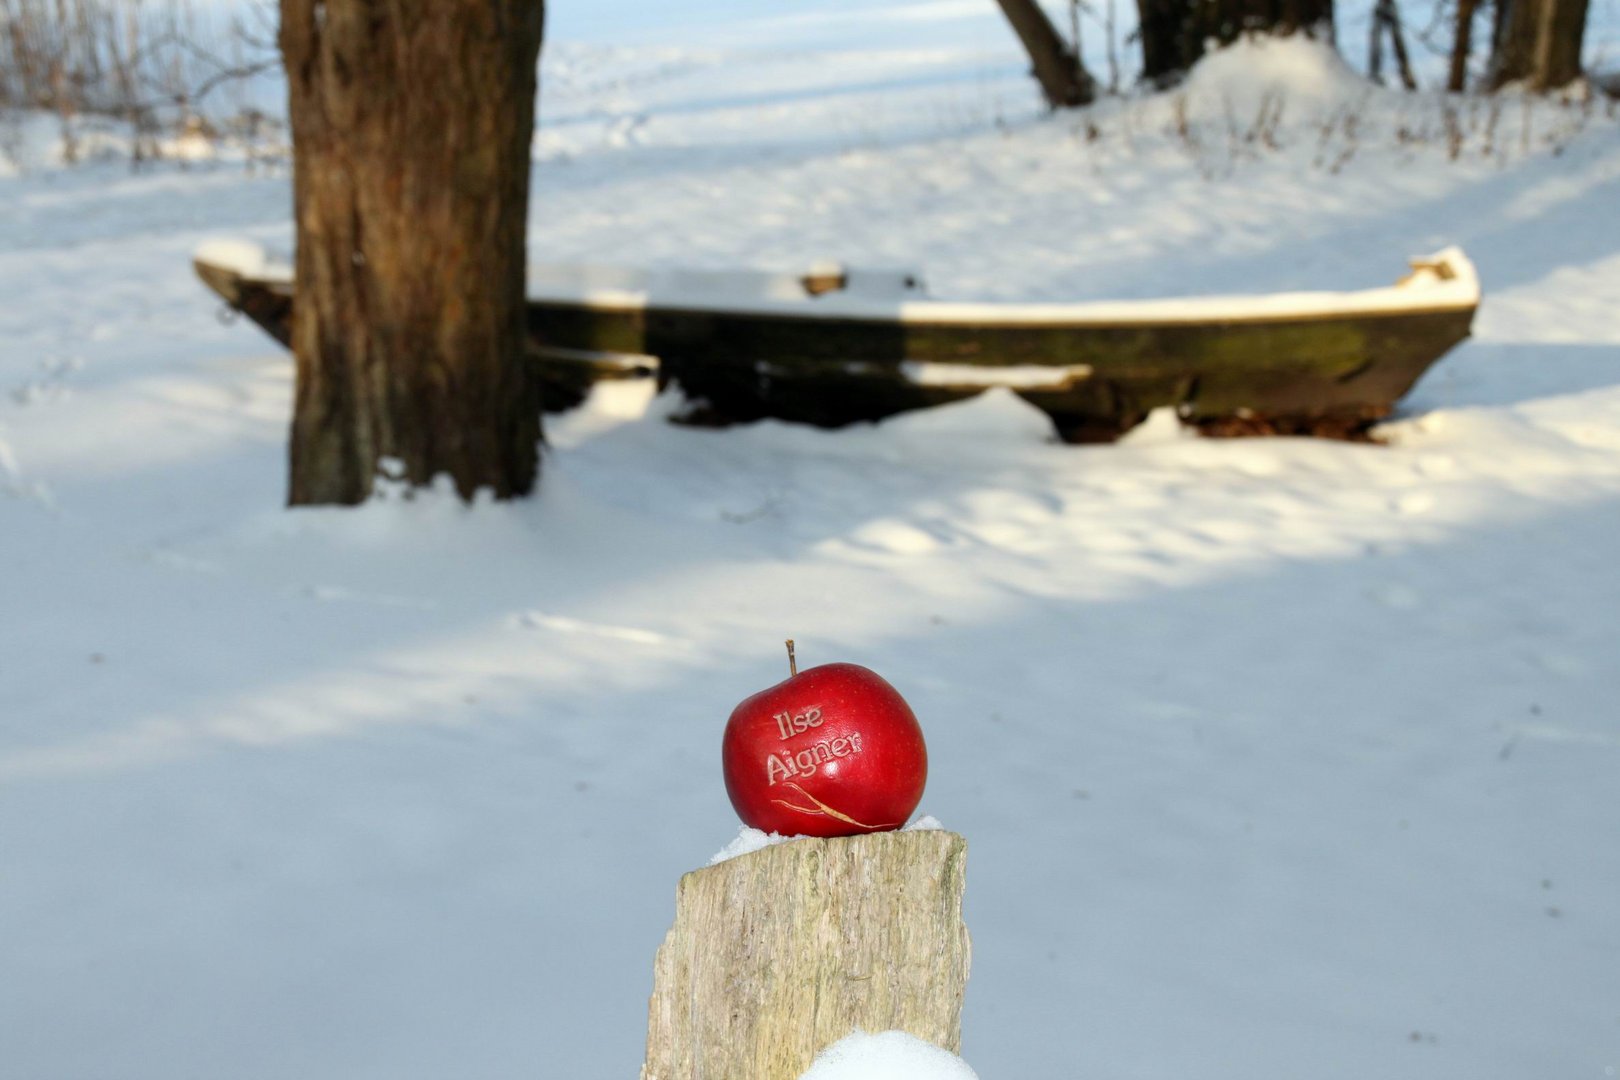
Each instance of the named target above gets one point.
<point>776,955</point>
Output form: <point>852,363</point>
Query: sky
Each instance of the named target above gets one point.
<point>953,23</point>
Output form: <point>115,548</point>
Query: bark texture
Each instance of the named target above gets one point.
<point>411,123</point>
<point>1170,40</point>
<point>1175,33</point>
<point>1462,46</point>
<point>776,955</point>
<point>1064,81</point>
<point>1387,20</point>
<point>1538,43</point>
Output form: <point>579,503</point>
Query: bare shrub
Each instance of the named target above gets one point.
<point>1456,135</point>
<point>149,64</point>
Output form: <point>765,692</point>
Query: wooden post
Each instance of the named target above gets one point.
<point>778,954</point>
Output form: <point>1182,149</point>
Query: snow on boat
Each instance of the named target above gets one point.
<point>835,345</point>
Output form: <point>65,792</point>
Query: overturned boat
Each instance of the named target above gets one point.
<point>834,345</point>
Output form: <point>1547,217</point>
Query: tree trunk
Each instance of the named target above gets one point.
<point>1174,32</point>
<point>777,955</point>
<point>1539,43</point>
<point>1227,20</point>
<point>1064,81</point>
<point>1397,38</point>
<point>1462,44</point>
<point>1171,42</point>
<point>411,125</point>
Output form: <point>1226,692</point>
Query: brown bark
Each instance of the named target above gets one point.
<point>411,123</point>
<point>1064,81</point>
<point>1226,20</point>
<point>1462,44</point>
<point>1170,37</point>
<point>1403,61</point>
<point>1539,43</point>
<point>1174,32</point>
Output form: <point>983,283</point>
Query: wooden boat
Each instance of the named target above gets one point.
<point>836,345</point>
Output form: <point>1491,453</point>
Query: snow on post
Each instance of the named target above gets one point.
<point>780,953</point>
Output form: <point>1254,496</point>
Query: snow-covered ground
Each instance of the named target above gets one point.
<point>1276,758</point>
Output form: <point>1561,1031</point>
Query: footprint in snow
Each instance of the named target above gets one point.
<point>626,131</point>
<point>50,385</point>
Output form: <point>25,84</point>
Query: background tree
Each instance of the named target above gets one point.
<point>1174,32</point>
<point>1169,33</point>
<point>1386,22</point>
<point>411,123</point>
<point>1063,78</point>
<point>1462,45</point>
<point>1538,43</point>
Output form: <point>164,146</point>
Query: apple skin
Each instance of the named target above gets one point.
<point>852,759</point>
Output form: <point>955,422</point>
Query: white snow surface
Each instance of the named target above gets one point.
<point>1276,758</point>
<point>749,840</point>
<point>244,257</point>
<point>1013,376</point>
<point>1294,73</point>
<point>1444,280</point>
<point>887,1055</point>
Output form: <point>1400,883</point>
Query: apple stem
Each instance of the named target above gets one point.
<point>793,663</point>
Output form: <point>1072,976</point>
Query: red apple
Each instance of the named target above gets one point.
<point>830,751</point>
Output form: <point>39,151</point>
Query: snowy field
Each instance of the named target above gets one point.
<point>1277,758</point>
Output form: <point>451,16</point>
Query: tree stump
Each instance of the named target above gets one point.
<point>778,954</point>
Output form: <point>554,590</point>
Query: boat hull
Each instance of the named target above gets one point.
<point>1330,376</point>
<point>1311,372</point>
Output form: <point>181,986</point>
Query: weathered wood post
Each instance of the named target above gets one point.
<point>778,954</point>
